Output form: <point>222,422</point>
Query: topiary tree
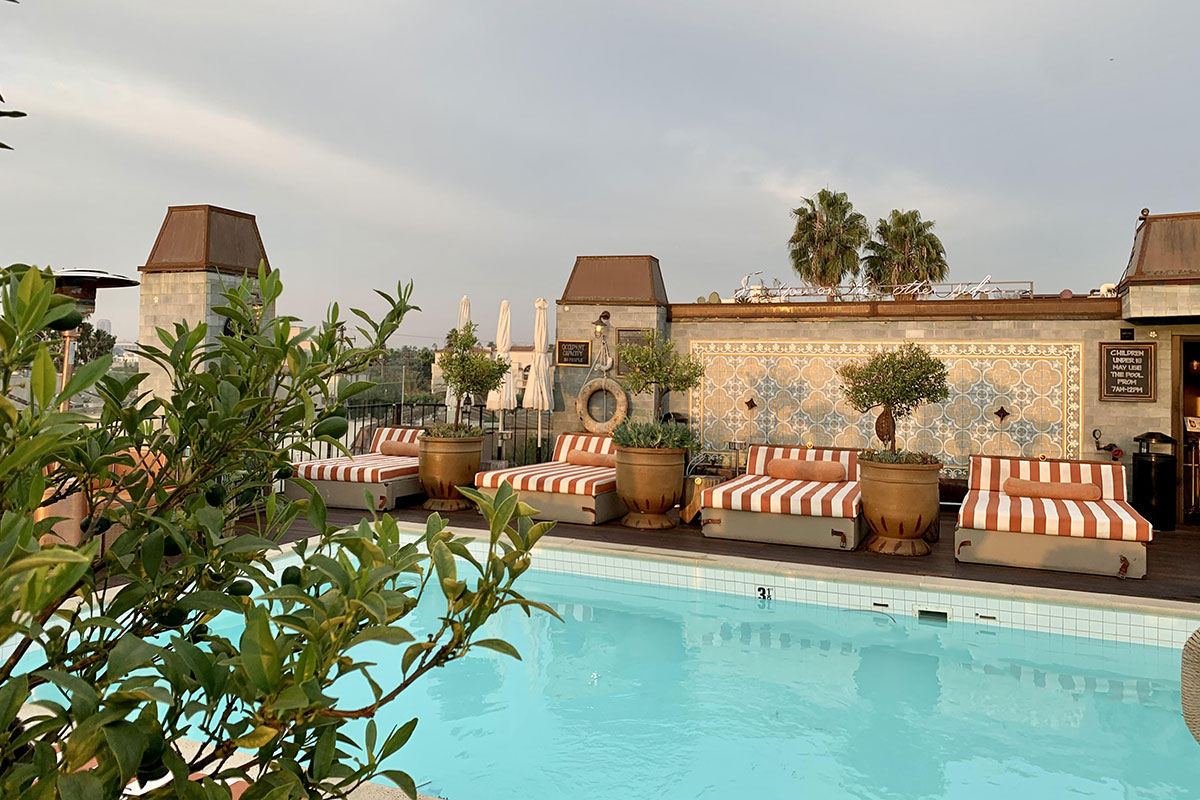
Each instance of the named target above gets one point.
<point>159,638</point>
<point>897,381</point>
<point>655,368</point>
<point>467,371</point>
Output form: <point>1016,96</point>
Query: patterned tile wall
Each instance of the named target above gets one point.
<point>788,392</point>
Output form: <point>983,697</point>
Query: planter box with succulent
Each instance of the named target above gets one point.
<point>652,456</point>
<point>450,454</point>
<point>899,488</point>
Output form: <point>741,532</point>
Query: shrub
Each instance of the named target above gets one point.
<point>655,368</point>
<point>898,381</point>
<point>656,435</point>
<point>466,370</point>
<point>110,648</point>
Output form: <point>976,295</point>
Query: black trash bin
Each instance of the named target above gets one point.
<point>1154,487</point>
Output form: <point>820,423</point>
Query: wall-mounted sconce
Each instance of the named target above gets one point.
<point>1194,365</point>
<point>601,323</point>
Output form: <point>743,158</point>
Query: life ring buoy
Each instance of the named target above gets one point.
<point>590,423</point>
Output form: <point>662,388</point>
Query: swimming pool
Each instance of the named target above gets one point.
<point>660,691</point>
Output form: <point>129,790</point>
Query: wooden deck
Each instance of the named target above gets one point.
<point>1173,558</point>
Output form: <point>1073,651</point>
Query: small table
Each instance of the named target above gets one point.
<point>693,491</point>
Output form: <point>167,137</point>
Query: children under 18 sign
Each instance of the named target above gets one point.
<point>1127,371</point>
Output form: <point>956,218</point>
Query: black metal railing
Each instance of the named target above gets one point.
<point>517,442</point>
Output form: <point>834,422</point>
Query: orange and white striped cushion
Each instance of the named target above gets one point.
<point>759,454</point>
<point>1100,519</point>
<point>988,473</point>
<point>393,434</point>
<point>588,442</point>
<point>367,468</point>
<point>778,496</point>
<point>557,477</point>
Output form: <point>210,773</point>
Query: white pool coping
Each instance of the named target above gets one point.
<point>1116,618</point>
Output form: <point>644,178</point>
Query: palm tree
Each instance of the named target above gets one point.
<point>829,234</point>
<point>904,250</point>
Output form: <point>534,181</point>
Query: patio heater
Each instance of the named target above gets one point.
<point>80,285</point>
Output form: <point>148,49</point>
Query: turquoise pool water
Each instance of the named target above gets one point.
<point>665,693</point>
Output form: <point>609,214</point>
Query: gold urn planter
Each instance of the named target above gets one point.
<point>650,483</point>
<point>446,464</point>
<point>900,503</point>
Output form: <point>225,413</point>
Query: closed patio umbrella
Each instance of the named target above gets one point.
<point>537,389</point>
<point>505,396</point>
<point>464,317</point>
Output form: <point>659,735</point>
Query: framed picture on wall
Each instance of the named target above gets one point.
<point>635,336</point>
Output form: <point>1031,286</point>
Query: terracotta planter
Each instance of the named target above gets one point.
<point>900,503</point>
<point>650,483</point>
<point>445,464</point>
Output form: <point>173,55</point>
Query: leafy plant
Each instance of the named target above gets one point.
<point>450,430</point>
<point>90,344</point>
<point>904,250</point>
<point>468,371</point>
<point>898,381</point>
<point>655,368</point>
<point>111,646</point>
<point>829,235</point>
<point>656,435</point>
<point>898,457</point>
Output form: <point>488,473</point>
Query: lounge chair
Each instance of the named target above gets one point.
<point>819,507</point>
<point>1069,516</point>
<point>578,484</point>
<point>341,481</point>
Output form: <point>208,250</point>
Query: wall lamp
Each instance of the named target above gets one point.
<point>601,323</point>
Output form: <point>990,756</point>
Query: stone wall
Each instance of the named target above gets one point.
<point>1045,372</point>
<point>574,321</point>
<point>171,297</point>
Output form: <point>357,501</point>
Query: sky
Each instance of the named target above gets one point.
<point>477,147</point>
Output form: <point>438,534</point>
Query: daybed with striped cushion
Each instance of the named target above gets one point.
<point>341,481</point>
<point>756,507</point>
<point>563,491</point>
<point>1103,536</point>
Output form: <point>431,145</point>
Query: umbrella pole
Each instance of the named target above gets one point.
<point>500,438</point>
<point>539,436</point>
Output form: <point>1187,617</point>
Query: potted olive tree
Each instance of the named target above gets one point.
<point>450,453</point>
<point>652,456</point>
<point>899,487</point>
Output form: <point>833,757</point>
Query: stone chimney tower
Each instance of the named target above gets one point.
<point>200,252</point>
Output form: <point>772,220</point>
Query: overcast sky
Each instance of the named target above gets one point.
<point>478,147</point>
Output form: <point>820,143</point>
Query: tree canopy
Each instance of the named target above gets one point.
<point>829,234</point>
<point>900,381</point>
<point>904,250</point>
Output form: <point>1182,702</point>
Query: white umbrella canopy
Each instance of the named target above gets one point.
<point>505,396</point>
<point>537,388</point>
<point>464,317</point>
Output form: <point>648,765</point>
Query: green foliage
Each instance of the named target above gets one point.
<point>899,381</point>
<point>468,371</point>
<point>402,374</point>
<point>113,647</point>
<point>450,430</point>
<point>656,435</point>
<point>829,234</point>
<point>655,367</point>
<point>904,250</point>
<point>898,457</point>
<point>90,343</point>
